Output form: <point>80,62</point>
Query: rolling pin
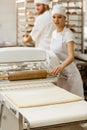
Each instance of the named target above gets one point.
<point>25,74</point>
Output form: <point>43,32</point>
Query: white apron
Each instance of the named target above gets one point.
<point>73,83</point>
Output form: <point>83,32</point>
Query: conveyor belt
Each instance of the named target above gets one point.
<point>40,95</point>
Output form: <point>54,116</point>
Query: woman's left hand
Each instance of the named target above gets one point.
<point>56,70</point>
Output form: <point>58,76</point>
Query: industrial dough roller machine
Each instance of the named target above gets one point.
<point>35,103</point>
<point>18,63</point>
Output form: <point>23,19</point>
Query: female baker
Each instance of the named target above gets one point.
<point>62,44</point>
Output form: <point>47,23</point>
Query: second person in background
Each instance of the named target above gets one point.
<point>43,27</point>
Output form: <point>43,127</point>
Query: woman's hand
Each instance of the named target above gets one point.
<point>57,70</point>
<point>69,60</point>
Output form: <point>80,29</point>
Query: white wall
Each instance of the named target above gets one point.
<point>7,21</point>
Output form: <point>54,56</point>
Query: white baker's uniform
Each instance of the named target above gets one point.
<point>42,30</point>
<point>73,83</point>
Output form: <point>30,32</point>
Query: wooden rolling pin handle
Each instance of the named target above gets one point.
<point>48,73</point>
<point>3,76</point>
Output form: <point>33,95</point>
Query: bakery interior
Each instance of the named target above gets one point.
<point>17,17</point>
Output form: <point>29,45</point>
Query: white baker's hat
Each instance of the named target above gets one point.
<point>59,9</point>
<point>46,2</point>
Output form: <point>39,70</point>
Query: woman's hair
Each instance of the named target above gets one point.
<point>72,29</point>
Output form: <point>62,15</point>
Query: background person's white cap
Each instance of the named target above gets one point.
<point>46,2</point>
<point>59,9</point>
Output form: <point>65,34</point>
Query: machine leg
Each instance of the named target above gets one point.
<point>8,120</point>
<point>20,122</point>
<point>1,111</point>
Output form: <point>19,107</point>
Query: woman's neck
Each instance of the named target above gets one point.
<point>60,29</point>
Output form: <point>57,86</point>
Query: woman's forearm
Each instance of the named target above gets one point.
<point>67,62</point>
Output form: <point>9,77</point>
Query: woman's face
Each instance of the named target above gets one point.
<point>59,20</point>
